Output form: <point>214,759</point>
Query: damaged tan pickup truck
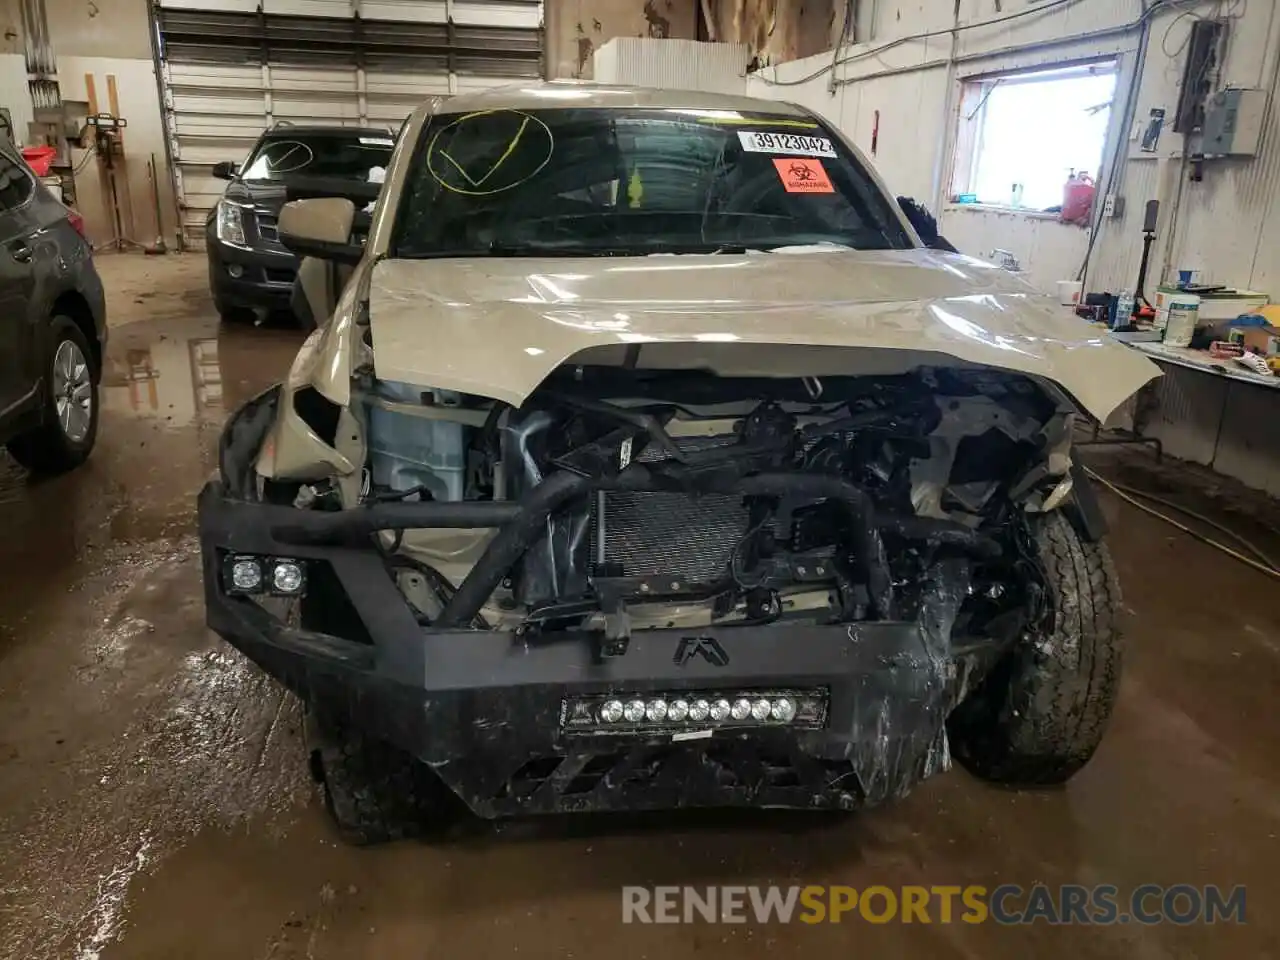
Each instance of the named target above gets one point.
<point>647,459</point>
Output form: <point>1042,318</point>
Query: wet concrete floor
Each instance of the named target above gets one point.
<point>154,802</point>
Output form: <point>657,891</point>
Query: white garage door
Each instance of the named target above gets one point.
<point>233,68</point>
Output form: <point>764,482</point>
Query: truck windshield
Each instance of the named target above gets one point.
<point>363,158</point>
<point>601,182</point>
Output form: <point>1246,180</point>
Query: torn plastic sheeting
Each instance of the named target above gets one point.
<point>899,735</point>
<point>967,417</point>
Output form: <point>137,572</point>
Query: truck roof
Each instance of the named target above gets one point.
<point>568,94</point>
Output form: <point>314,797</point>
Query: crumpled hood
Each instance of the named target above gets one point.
<point>498,326</point>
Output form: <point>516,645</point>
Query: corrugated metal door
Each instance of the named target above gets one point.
<point>233,68</point>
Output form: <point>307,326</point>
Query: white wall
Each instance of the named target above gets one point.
<point>575,29</point>
<point>673,64</point>
<point>80,34</point>
<point>1227,226</point>
<point>144,137</point>
<point>914,86</point>
<point>14,94</point>
<point>1224,225</point>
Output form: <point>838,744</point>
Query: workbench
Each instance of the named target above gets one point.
<point>1200,360</point>
<point>1213,412</point>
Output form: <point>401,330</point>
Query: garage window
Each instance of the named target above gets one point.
<point>1022,135</point>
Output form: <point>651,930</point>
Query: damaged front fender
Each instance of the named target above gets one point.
<point>326,444</point>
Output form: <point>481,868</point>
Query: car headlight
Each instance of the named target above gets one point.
<point>230,223</point>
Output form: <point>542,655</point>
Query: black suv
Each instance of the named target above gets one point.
<point>248,267</point>
<point>52,324</point>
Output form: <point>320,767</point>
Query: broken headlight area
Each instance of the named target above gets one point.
<point>617,500</point>
<point>690,714</point>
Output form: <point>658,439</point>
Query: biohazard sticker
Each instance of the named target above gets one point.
<point>803,175</point>
<point>786,143</point>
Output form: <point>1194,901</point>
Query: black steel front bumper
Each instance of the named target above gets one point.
<point>484,708</point>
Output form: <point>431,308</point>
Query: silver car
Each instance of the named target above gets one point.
<point>52,325</point>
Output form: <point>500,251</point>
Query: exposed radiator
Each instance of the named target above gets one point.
<point>671,534</point>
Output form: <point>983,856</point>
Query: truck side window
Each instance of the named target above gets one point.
<point>15,183</point>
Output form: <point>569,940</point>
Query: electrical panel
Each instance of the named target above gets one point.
<point>1204,59</point>
<point>1233,123</point>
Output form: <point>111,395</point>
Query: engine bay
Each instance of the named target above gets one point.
<point>692,499</point>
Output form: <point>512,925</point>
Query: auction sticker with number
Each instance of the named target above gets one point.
<point>801,175</point>
<point>786,143</point>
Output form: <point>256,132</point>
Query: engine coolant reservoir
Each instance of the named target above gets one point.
<point>409,450</point>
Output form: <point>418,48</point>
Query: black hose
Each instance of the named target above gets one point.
<point>342,526</point>
<point>945,533</point>
<point>513,539</point>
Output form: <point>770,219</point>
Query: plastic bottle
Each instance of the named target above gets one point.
<point>1124,310</point>
<point>1077,199</point>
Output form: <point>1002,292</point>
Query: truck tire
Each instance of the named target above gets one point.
<point>1039,715</point>
<point>374,792</point>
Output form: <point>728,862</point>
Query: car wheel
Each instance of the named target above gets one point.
<point>69,421</point>
<point>230,314</point>
<point>1041,712</point>
<point>374,792</point>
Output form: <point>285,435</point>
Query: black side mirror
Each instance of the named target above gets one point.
<point>345,253</point>
<point>226,170</point>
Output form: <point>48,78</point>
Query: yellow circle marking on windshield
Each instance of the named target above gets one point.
<point>434,150</point>
<point>635,190</point>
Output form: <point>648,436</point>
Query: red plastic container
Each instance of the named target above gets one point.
<point>1077,199</point>
<point>39,159</point>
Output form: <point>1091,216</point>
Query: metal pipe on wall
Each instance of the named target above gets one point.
<point>41,64</point>
<point>1120,156</point>
<point>157,66</point>
<point>1057,42</point>
<point>1273,45</point>
<point>950,105</point>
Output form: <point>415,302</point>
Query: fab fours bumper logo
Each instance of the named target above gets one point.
<point>1007,904</point>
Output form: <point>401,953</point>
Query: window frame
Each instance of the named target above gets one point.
<point>895,220</point>
<point>971,117</point>
<point>28,177</point>
<point>280,135</point>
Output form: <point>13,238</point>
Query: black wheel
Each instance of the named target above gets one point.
<point>230,314</point>
<point>69,421</point>
<point>1040,714</point>
<point>374,792</point>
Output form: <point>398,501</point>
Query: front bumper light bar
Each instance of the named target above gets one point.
<point>694,710</point>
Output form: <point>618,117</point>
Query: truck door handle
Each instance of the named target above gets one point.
<point>20,252</point>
